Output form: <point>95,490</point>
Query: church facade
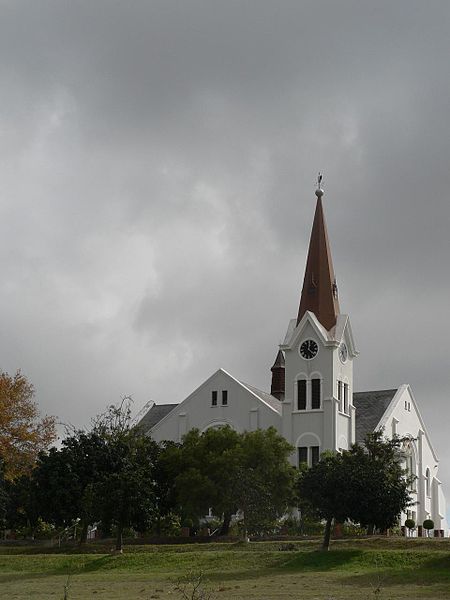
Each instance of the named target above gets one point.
<point>312,402</point>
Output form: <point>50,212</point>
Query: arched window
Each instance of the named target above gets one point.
<point>301,394</point>
<point>308,391</point>
<point>410,461</point>
<point>428,482</point>
<point>308,449</point>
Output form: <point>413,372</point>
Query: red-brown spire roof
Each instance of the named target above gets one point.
<point>319,293</point>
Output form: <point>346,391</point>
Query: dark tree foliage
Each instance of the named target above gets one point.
<point>125,493</point>
<point>107,474</point>
<point>366,485</point>
<point>22,507</point>
<point>378,489</point>
<point>323,488</point>
<point>166,468</point>
<point>227,471</point>
<point>265,480</point>
<point>207,468</point>
<point>4,498</point>
<point>66,480</point>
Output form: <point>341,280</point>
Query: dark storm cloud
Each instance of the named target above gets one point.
<point>157,168</point>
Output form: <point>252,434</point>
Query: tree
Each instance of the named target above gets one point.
<point>428,525</point>
<point>4,498</point>
<point>107,474</point>
<point>23,510</point>
<point>207,466</point>
<point>125,491</point>
<point>263,487</point>
<point>227,471</point>
<point>23,434</point>
<point>66,479</point>
<point>324,488</point>
<point>366,485</point>
<point>410,524</point>
<point>377,484</point>
<point>166,469</point>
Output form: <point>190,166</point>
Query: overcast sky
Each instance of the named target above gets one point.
<point>157,173</point>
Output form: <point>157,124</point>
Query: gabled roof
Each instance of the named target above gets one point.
<point>158,412</point>
<point>370,407</point>
<point>265,397</point>
<point>155,414</point>
<point>319,292</point>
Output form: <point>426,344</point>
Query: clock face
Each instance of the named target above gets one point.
<point>308,349</point>
<point>343,353</point>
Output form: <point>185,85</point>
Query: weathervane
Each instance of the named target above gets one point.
<point>319,191</point>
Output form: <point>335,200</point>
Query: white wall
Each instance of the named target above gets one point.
<point>404,417</point>
<point>244,410</point>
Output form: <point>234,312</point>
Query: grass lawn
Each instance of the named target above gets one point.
<point>388,569</point>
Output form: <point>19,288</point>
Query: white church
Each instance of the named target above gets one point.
<point>312,402</point>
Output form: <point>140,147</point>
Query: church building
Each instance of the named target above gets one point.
<point>312,402</point>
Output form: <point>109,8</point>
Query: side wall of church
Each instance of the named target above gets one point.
<point>427,494</point>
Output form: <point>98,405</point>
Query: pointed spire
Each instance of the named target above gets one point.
<point>319,293</point>
<point>278,377</point>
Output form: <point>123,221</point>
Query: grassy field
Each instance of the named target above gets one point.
<point>389,569</point>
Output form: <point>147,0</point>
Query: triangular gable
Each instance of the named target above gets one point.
<point>320,331</point>
<point>406,388</point>
<point>343,330</point>
<point>184,402</point>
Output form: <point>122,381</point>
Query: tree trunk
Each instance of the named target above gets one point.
<point>327,535</point>
<point>119,539</point>
<point>225,528</point>
<point>83,533</point>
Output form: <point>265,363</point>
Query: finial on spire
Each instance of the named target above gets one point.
<point>319,191</point>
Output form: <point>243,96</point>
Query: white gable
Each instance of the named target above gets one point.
<point>245,409</point>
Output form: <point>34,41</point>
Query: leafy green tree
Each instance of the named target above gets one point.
<point>377,491</point>
<point>125,493</point>
<point>22,507</point>
<point>107,474</point>
<point>207,468</point>
<point>366,485</point>
<point>264,484</point>
<point>166,469</point>
<point>227,471</point>
<point>323,488</point>
<point>428,525</point>
<point>66,480</point>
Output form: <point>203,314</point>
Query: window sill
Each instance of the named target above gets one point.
<point>307,410</point>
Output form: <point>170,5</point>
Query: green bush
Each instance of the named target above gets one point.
<point>428,524</point>
<point>352,530</point>
<point>410,523</point>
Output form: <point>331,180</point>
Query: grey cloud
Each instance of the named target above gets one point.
<point>157,166</point>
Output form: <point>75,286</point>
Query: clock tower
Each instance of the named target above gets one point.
<point>317,410</point>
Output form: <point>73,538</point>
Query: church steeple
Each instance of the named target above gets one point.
<point>319,293</point>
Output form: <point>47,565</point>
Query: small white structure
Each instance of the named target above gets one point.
<point>312,402</point>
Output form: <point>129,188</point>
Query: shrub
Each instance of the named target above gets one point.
<point>428,524</point>
<point>410,523</point>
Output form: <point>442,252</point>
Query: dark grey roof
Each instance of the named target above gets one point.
<point>154,415</point>
<point>370,407</point>
<point>265,397</point>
